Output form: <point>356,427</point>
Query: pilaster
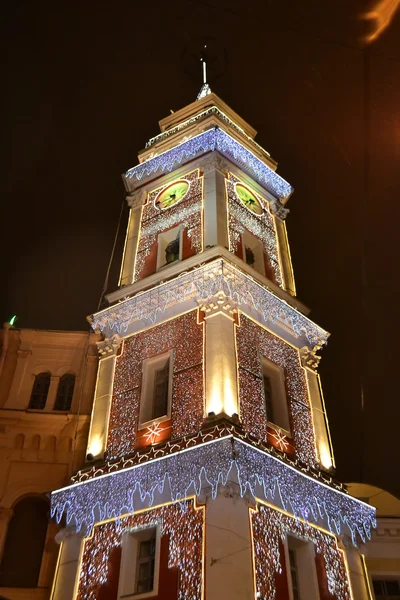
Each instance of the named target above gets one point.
<point>323,443</point>
<point>135,202</point>
<point>220,355</point>
<point>357,573</point>
<point>228,547</point>
<point>215,213</point>
<point>67,571</point>
<point>97,440</point>
<point>16,398</point>
<point>52,394</point>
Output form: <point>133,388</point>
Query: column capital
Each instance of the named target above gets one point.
<point>277,209</point>
<point>309,358</point>
<point>219,303</point>
<point>136,199</point>
<point>67,533</point>
<point>109,346</point>
<point>214,162</point>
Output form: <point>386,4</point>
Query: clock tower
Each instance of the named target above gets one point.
<point>209,471</point>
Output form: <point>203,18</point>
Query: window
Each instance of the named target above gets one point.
<point>253,252</point>
<point>156,388</point>
<point>294,574</point>
<point>65,392</point>
<point>39,391</point>
<point>386,588</point>
<point>139,563</point>
<point>301,570</point>
<point>145,565</point>
<point>276,408</point>
<point>169,247</point>
<point>23,548</point>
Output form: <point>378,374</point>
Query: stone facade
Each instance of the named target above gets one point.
<point>40,448</point>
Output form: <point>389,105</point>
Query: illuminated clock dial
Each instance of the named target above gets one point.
<point>172,194</point>
<point>249,199</point>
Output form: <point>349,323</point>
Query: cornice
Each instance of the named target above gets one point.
<point>217,461</point>
<point>193,288</point>
<point>208,141</point>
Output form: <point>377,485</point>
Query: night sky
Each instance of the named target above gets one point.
<point>84,85</point>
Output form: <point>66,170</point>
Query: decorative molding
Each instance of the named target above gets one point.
<point>214,161</point>
<point>277,209</point>
<point>201,284</point>
<point>109,346</point>
<point>309,358</point>
<point>66,533</point>
<point>136,199</point>
<point>220,303</point>
<point>210,140</point>
<point>228,459</point>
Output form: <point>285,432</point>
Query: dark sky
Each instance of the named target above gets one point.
<point>84,85</point>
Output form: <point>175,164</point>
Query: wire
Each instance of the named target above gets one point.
<point>105,285</point>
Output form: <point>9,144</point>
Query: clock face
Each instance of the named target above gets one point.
<point>172,194</point>
<point>249,199</point>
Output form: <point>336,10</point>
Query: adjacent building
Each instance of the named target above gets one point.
<point>382,555</point>
<point>47,382</point>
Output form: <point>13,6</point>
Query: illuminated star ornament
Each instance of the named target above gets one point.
<point>281,440</point>
<point>153,433</point>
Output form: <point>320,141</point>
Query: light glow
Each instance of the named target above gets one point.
<point>116,493</point>
<point>210,140</point>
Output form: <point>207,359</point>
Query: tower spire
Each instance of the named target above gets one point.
<point>205,88</point>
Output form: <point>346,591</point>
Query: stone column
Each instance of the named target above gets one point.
<point>357,573</point>
<point>52,394</point>
<point>132,235</point>
<point>320,421</point>
<point>284,252</point>
<point>220,356</point>
<point>215,213</point>
<point>17,399</point>
<point>66,577</point>
<point>6,514</point>
<point>228,552</point>
<point>102,397</point>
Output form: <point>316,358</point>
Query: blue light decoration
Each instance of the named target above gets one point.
<point>198,285</point>
<point>209,141</point>
<point>187,472</point>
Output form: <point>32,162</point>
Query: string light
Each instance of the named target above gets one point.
<point>184,524</point>
<point>253,343</point>
<point>213,110</point>
<point>180,474</point>
<point>269,527</point>
<point>204,282</point>
<point>154,222</point>
<point>185,337</point>
<point>210,140</point>
<point>262,226</point>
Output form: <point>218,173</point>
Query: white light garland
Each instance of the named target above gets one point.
<point>202,283</point>
<point>205,113</point>
<point>213,139</point>
<point>184,336</point>
<point>182,473</point>
<point>154,221</point>
<point>269,527</point>
<point>261,226</point>
<point>182,524</point>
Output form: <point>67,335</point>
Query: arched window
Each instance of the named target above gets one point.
<point>39,391</point>
<point>23,548</point>
<point>65,392</point>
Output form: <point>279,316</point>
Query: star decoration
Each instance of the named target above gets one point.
<point>153,432</point>
<point>281,440</point>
